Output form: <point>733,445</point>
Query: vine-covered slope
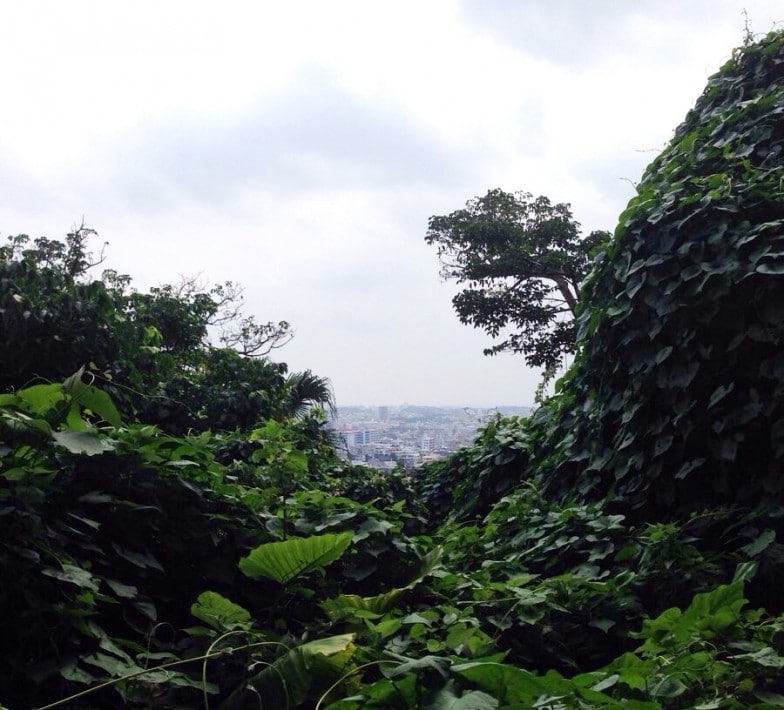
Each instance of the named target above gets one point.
<point>599,554</point>
<point>677,398</point>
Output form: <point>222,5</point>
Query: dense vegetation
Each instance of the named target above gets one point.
<point>178,530</point>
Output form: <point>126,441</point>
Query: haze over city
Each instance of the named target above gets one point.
<point>299,149</point>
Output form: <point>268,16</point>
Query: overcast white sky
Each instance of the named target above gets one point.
<point>300,147</point>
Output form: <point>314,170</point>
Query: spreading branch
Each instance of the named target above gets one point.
<point>522,260</point>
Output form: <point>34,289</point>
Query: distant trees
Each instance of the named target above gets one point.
<point>523,259</point>
<point>150,350</point>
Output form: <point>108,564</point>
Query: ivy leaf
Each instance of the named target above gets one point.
<point>771,268</point>
<point>719,393</point>
<point>114,667</point>
<point>663,354</point>
<point>347,605</point>
<point>775,700</point>
<point>425,663</point>
<point>125,591</point>
<point>75,575</point>
<point>608,682</point>
<point>70,671</point>
<point>669,687</point>
<point>662,444</point>
<point>761,543</point>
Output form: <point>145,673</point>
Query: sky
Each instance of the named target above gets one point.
<point>299,148</point>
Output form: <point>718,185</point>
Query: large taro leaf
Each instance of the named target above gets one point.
<point>283,561</point>
<point>355,607</point>
<point>306,670</point>
<point>451,698</point>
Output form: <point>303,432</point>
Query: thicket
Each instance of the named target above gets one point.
<point>179,532</point>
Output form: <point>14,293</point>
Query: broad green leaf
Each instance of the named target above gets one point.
<point>719,393</point>
<point>429,563</point>
<point>42,398</point>
<point>668,687</point>
<point>509,684</point>
<point>761,543</point>
<point>425,663</point>
<point>125,591</point>
<point>74,575</point>
<point>74,384</point>
<point>143,560</point>
<point>81,442</point>
<point>307,670</point>
<point>112,665</point>
<point>448,699</point>
<point>774,268</point>
<point>347,605</point>
<point>285,560</point>
<point>100,403</point>
<point>16,474</point>
<point>608,682</point>
<point>770,698</point>
<point>220,613</point>
<point>766,656</point>
<point>70,671</point>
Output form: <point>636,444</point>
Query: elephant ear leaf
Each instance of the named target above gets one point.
<point>302,672</point>
<point>283,561</point>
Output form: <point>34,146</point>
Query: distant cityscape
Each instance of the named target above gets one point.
<point>408,435</point>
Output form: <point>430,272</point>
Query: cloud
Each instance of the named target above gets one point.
<point>312,136</point>
<point>580,35</point>
<point>300,150</point>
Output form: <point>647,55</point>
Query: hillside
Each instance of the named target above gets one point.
<point>179,532</point>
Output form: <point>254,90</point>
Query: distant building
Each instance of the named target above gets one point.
<point>361,437</point>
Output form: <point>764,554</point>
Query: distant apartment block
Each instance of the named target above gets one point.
<point>360,437</point>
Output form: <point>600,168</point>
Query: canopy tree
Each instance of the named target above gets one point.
<point>150,350</point>
<point>523,259</point>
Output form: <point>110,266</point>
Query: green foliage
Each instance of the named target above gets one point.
<point>599,554</point>
<point>292,677</point>
<point>523,260</point>
<point>687,411</point>
<point>283,561</point>
<point>149,350</point>
<point>476,476</point>
<point>220,613</point>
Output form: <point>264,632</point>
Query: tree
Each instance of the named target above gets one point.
<point>523,259</point>
<point>150,350</point>
<point>304,391</point>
